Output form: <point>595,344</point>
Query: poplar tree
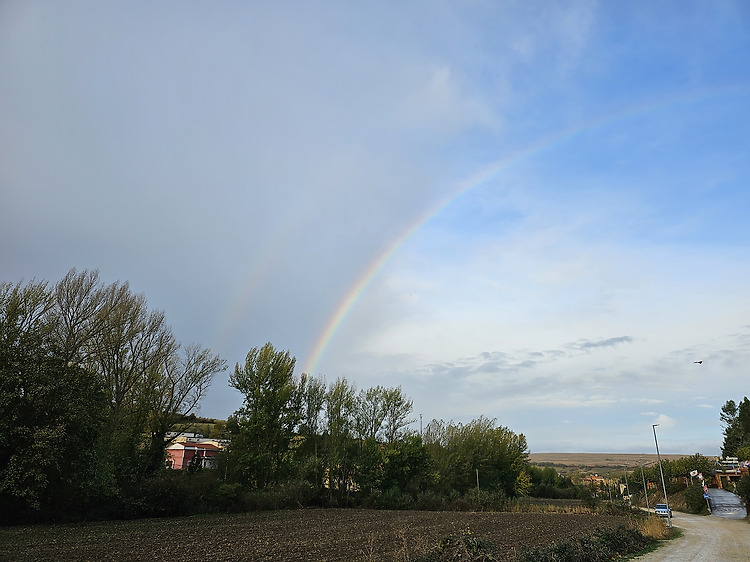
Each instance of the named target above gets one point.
<point>269,416</point>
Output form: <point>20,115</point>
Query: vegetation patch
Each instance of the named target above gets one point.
<point>603,544</point>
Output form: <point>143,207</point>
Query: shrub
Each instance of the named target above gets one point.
<point>227,497</point>
<point>291,494</point>
<point>603,544</point>
<point>429,501</point>
<point>743,489</point>
<point>694,500</point>
<point>463,546</point>
<point>652,527</point>
<point>481,500</point>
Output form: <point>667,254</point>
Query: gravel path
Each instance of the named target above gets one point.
<point>705,538</point>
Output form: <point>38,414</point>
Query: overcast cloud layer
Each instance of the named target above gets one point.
<point>557,194</point>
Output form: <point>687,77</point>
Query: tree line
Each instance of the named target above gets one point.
<point>93,383</point>
<point>329,444</point>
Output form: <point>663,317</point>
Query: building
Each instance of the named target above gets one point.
<point>182,453</point>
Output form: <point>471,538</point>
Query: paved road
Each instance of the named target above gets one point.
<point>725,504</point>
<point>722,536</point>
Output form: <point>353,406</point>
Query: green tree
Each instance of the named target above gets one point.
<point>151,382</point>
<point>51,412</point>
<point>743,453</point>
<point>459,450</point>
<point>271,411</point>
<point>76,346</point>
<point>736,420</point>
<point>407,465</point>
<point>743,490</point>
<point>339,447</point>
<point>694,501</point>
<point>397,409</point>
<point>369,412</point>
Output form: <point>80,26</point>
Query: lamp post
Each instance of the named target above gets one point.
<point>663,485</point>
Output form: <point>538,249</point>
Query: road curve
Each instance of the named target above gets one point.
<point>704,538</point>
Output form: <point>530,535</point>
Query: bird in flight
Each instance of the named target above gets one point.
<point>699,362</point>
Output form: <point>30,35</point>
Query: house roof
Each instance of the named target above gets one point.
<point>186,445</point>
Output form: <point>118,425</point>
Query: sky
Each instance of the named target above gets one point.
<point>532,211</point>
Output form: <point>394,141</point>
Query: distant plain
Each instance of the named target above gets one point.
<point>600,463</point>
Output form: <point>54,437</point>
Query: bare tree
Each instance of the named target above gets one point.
<point>175,391</point>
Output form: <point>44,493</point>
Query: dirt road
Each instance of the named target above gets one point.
<point>705,538</point>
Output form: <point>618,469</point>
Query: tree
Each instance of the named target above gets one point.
<point>407,465</point>
<point>743,490</point>
<point>313,399</point>
<point>174,391</point>
<point>313,392</point>
<point>78,315</point>
<point>459,450</point>
<point>340,407</point>
<point>271,411</point>
<point>370,412</point>
<point>743,453</point>
<point>150,381</point>
<point>397,409</point>
<point>81,342</point>
<point>736,420</point>
<point>51,412</point>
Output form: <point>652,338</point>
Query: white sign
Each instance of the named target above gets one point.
<point>693,473</point>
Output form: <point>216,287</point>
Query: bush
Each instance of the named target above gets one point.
<point>694,500</point>
<point>429,501</point>
<point>743,489</point>
<point>603,544</point>
<point>394,498</point>
<point>227,497</point>
<point>291,494</point>
<point>487,501</point>
<point>463,546</point>
<point>587,498</point>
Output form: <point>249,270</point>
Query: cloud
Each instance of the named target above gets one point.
<point>587,345</point>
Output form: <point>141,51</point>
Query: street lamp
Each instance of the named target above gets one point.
<point>663,485</point>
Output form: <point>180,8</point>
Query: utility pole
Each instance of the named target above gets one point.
<point>645,490</point>
<point>663,485</point>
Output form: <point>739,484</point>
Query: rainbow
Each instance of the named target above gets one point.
<point>366,277</point>
<point>484,174</point>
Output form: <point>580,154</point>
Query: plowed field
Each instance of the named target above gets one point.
<point>331,535</point>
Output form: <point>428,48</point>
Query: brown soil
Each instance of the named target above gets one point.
<point>334,534</point>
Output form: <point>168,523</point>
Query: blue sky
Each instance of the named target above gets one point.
<point>531,211</point>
